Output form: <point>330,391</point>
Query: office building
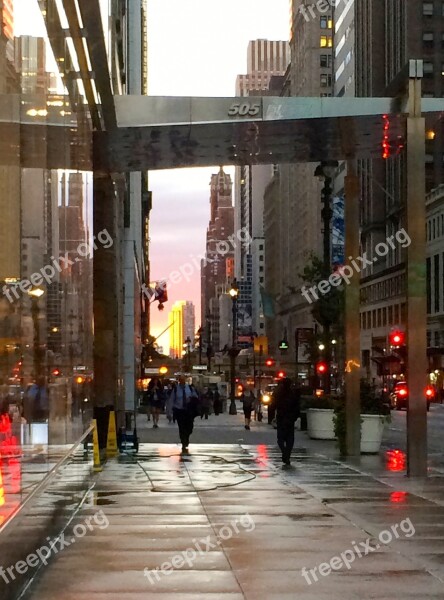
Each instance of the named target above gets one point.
<point>182,323</point>
<point>266,59</point>
<point>292,214</point>
<point>217,266</point>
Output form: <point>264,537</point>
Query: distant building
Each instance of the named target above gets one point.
<point>217,267</point>
<point>292,213</point>
<point>182,326</point>
<point>266,61</point>
<point>435,275</point>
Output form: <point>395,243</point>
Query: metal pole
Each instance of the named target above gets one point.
<point>35,322</point>
<point>352,318</point>
<point>261,351</point>
<point>416,280</point>
<point>233,409</point>
<point>327,214</point>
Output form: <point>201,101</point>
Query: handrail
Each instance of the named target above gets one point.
<point>45,480</point>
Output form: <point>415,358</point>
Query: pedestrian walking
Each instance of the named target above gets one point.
<point>205,404</point>
<point>185,409</point>
<point>169,402</point>
<point>217,402</point>
<point>287,403</point>
<point>248,403</point>
<point>156,396</point>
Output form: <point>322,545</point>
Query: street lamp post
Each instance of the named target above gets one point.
<point>325,172</point>
<point>187,347</point>
<point>234,292</point>
<point>199,338</point>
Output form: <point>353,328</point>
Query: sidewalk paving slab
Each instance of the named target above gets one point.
<point>159,505</point>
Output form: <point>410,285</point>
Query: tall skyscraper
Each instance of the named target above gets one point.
<point>292,218</point>
<point>368,59</point>
<point>266,59</point>
<point>182,327</point>
<point>217,267</point>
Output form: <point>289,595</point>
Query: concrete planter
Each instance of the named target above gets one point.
<point>372,429</point>
<point>320,423</point>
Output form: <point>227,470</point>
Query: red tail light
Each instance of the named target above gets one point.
<point>402,392</point>
<point>430,392</point>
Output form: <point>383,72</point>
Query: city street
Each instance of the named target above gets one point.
<point>229,429</point>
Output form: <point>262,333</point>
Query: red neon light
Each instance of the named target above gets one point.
<point>385,138</point>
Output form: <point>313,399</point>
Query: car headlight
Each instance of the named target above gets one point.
<point>266,398</point>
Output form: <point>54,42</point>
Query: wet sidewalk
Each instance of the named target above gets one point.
<point>229,523</point>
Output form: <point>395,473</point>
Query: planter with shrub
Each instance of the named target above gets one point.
<point>375,414</point>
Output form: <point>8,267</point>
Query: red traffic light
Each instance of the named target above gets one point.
<point>56,372</point>
<point>281,375</point>
<point>321,368</point>
<point>430,392</point>
<point>397,338</point>
<point>269,362</point>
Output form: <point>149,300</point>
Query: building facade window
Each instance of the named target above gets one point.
<point>427,9</point>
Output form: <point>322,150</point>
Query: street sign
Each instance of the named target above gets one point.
<point>199,367</point>
<point>151,371</point>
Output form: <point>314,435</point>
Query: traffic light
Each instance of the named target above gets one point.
<point>281,375</point>
<point>80,379</point>
<point>283,345</point>
<point>269,362</point>
<point>56,372</point>
<point>397,338</point>
<point>321,368</point>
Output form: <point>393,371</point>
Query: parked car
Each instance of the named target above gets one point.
<point>400,396</point>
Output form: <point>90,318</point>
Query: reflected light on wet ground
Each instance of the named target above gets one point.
<point>398,497</point>
<point>395,460</point>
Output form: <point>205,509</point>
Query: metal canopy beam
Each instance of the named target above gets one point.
<point>169,132</point>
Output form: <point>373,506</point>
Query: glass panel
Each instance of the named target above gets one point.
<point>46,248</point>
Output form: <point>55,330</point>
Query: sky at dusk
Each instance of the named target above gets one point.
<point>196,48</point>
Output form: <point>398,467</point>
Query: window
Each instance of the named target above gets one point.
<point>261,246</point>
<point>436,281</point>
<point>261,280</point>
<point>326,23</point>
<point>325,61</point>
<point>427,9</point>
<point>326,41</point>
<point>325,80</point>
<point>428,69</point>
<point>427,39</point>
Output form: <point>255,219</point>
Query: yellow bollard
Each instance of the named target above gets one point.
<point>97,466</point>
<point>111,443</point>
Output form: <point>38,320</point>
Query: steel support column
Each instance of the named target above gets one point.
<point>416,280</point>
<point>105,304</point>
<point>352,317</point>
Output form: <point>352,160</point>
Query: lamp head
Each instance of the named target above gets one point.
<point>36,292</point>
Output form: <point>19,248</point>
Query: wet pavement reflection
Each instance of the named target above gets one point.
<point>263,524</point>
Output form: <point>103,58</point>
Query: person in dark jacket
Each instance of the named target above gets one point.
<point>247,405</point>
<point>287,402</point>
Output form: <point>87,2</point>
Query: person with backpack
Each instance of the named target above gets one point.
<point>287,402</point>
<point>185,408</point>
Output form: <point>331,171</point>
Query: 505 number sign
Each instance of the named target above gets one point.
<point>244,109</point>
